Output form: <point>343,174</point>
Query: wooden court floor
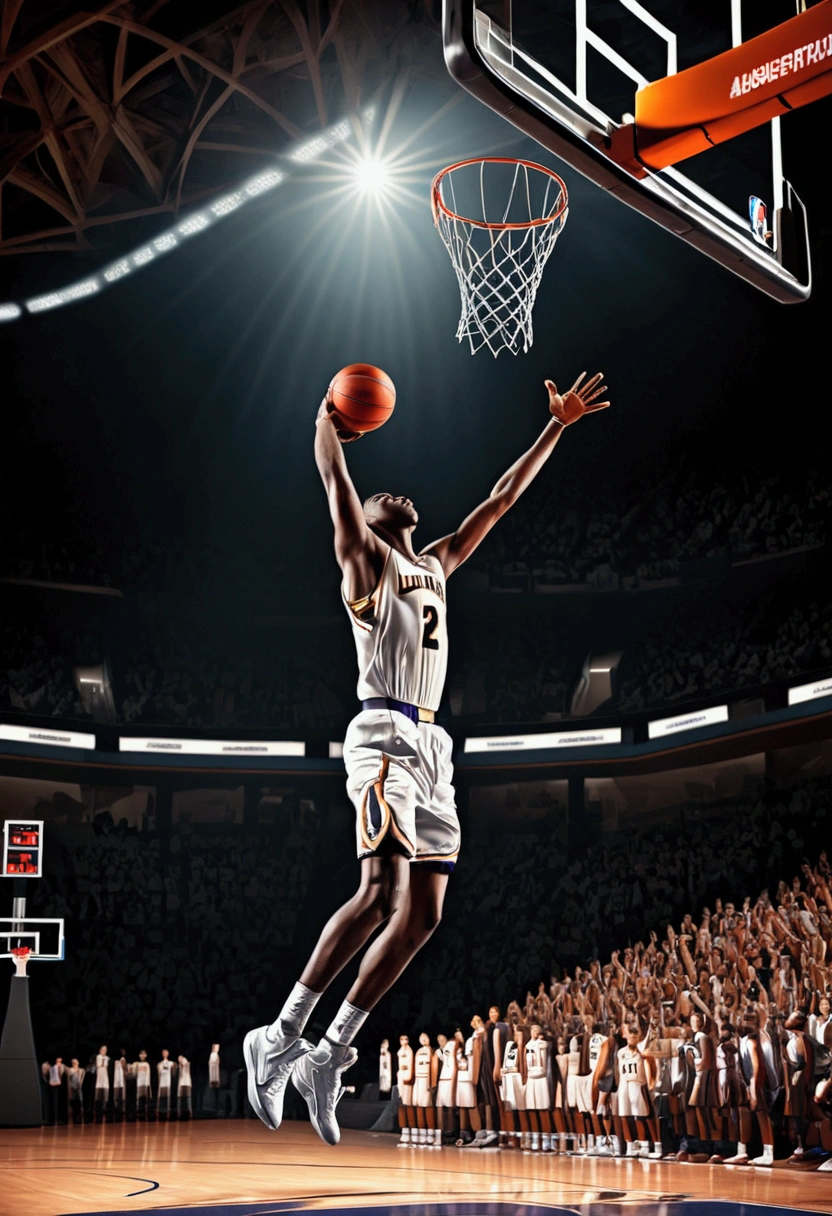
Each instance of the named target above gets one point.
<point>137,1167</point>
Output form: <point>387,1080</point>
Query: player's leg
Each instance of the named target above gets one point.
<point>417,914</point>
<point>407,802</point>
<point>271,1052</point>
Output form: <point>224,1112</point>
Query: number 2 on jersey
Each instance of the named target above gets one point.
<point>430,615</point>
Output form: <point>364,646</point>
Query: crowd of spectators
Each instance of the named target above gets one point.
<point>647,533</point>
<point>176,667</point>
<point>725,650</point>
<point>180,937</point>
<point>303,679</point>
<point>166,933</point>
<point>537,910</point>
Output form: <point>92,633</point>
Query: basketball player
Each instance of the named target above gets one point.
<point>385,1068</point>
<point>404,1083</point>
<point>445,1088</point>
<point>633,1103</point>
<point>398,760</point>
<point>424,1083</point>
<point>538,1090</point>
<point>184,1089</point>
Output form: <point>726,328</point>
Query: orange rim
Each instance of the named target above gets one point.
<point>438,205</point>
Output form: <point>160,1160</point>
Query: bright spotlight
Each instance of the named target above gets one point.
<point>371,176</point>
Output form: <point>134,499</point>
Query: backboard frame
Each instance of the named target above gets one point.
<point>20,927</point>
<point>481,59</point>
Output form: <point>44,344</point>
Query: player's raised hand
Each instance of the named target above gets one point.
<point>579,400</point>
<point>327,410</point>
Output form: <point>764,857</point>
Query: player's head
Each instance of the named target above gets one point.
<point>390,513</point>
<point>385,1044</point>
<point>165,1053</point>
<point>74,1063</point>
<point>494,1013</point>
<point>424,1039</point>
<point>697,1022</point>
<point>441,1039</point>
<point>142,1054</point>
<point>536,1031</point>
<point>824,1006</point>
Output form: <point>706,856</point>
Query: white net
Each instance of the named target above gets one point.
<point>499,220</point>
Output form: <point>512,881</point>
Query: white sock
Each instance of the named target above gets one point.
<point>346,1024</point>
<point>295,1013</point>
<point>742,1149</point>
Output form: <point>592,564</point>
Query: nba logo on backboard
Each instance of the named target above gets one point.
<point>757,215</point>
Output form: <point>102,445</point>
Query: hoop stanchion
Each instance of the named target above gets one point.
<point>498,258</point>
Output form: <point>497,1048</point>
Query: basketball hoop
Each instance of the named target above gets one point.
<point>498,262</point>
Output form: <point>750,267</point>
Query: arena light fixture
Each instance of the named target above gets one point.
<point>304,153</point>
<point>371,175</point>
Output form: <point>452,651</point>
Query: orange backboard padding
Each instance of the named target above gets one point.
<point>782,69</point>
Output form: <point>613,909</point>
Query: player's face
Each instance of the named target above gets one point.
<point>387,510</point>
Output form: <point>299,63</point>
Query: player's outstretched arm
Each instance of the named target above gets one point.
<point>357,549</point>
<point>565,409</point>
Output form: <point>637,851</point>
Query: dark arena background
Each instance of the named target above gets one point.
<point>639,688</point>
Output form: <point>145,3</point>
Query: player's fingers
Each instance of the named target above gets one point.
<point>574,387</point>
<point>591,396</point>
<point>551,386</point>
<point>600,405</point>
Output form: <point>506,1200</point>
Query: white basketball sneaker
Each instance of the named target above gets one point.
<point>317,1077</point>
<point>269,1064</point>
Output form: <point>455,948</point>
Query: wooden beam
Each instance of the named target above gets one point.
<point>288,126</point>
<point>57,34</point>
<point>11,8</point>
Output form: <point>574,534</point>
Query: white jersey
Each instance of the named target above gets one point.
<point>184,1073</point>
<point>214,1068</point>
<point>102,1076</point>
<point>537,1053</point>
<point>400,631</point>
<point>421,1062</point>
<point>165,1071</point>
<point>631,1066</point>
<point>447,1056</point>
<point>385,1071</point>
<point>142,1070</point>
<point>596,1042</point>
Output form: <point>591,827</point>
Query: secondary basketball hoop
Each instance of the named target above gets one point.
<point>499,219</point>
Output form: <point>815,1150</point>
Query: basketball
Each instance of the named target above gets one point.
<point>363,396</point>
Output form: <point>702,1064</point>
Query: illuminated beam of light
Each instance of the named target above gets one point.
<point>305,153</point>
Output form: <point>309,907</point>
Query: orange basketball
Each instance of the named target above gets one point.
<point>363,396</point>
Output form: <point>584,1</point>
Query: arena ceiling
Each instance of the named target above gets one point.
<point>110,114</point>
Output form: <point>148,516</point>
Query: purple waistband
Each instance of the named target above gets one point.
<point>409,711</point>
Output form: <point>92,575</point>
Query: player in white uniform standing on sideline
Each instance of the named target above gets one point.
<point>398,760</point>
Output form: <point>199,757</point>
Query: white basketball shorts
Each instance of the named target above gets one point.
<point>421,1091</point>
<point>399,778</point>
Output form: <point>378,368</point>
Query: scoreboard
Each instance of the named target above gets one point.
<point>23,848</point>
